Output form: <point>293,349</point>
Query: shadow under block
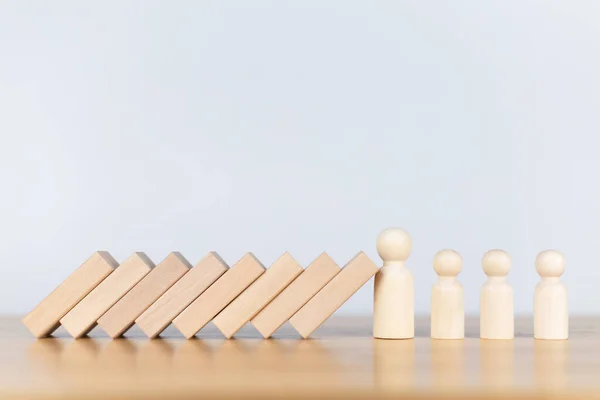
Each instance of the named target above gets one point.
<point>187,289</point>
<point>296,295</point>
<point>219,295</point>
<point>122,315</point>
<point>45,317</point>
<point>83,317</point>
<point>257,295</point>
<point>355,274</point>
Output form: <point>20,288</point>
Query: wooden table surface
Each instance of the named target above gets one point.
<point>342,360</point>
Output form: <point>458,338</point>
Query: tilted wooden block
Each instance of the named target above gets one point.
<point>355,274</point>
<point>82,318</point>
<point>162,312</point>
<point>45,317</point>
<point>122,315</point>
<point>297,294</point>
<point>258,294</point>
<point>219,295</point>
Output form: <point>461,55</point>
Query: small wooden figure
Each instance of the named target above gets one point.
<point>394,306</point>
<point>497,318</point>
<point>550,308</point>
<point>447,298</point>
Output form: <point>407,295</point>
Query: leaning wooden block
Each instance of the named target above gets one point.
<point>162,312</point>
<point>45,317</point>
<point>297,294</point>
<point>219,295</point>
<point>122,315</point>
<point>355,274</point>
<point>82,318</point>
<point>259,294</point>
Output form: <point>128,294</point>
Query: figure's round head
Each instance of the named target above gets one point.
<point>394,244</point>
<point>496,263</point>
<point>447,263</point>
<point>550,263</point>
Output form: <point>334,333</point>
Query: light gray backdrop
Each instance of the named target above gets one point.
<point>305,126</point>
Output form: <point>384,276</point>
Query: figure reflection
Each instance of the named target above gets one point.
<point>394,364</point>
<point>496,360</point>
<point>550,363</point>
<point>448,363</point>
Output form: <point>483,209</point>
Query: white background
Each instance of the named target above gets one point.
<point>305,126</point>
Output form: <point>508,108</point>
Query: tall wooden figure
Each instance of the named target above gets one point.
<point>550,309</point>
<point>394,306</point>
<point>497,315</point>
<point>447,297</point>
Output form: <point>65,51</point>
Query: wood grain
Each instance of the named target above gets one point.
<point>161,313</point>
<point>45,317</point>
<point>355,274</point>
<point>120,317</point>
<point>341,361</point>
<point>257,295</point>
<point>83,317</point>
<point>219,295</point>
<point>297,294</point>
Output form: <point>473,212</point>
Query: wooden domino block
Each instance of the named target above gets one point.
<point>82,318</point>
<point>162,312</point>
<point>259,294</point>
<point>45,317</point>
<point>219,295</point>
<point>297,294</point>
<point>355,274</point>
<point>122,315</point>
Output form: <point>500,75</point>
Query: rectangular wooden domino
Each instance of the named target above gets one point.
<point>168,306</point>
<point>83,317</point>
<point>355,274</point>
<point>219,295</point>
<point>257,295</point>
<point>297,294</point>
<point>122,315</point>
<point>45,317</point>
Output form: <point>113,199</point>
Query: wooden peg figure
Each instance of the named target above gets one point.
<point>394,309</point>
<point>447,298</point>
<point>497,318</point>
<point>550,308</point>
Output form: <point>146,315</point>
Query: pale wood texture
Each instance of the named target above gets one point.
<point>341,361</point>
<point>355,274</point>
<point>447,298</point>
<point>122,315</point>
<point>497,298</point>
<point>297,294</point>
<point>257,295</point>
<point>394,298</point>
<point>550,308</point>
<point>187,289</point>
<point>83,317</point>
<point>45,317</point>
<point>202,310</point>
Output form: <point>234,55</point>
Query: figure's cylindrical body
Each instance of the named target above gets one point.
<point>497,319</point>
<point>447,310</point>
<point>550,310</point>
<point>393,313</point>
